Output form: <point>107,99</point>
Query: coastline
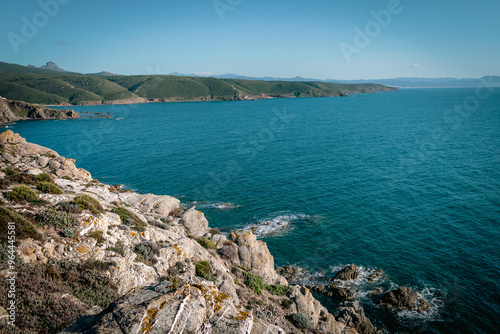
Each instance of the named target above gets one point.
<point>161,246</point>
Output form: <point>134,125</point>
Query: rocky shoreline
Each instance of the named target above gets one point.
<point>11,111</point>
<point>95,258</point>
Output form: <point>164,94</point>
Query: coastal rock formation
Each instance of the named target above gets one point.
<point>353,315</point>
<point>195,222</point>
<point>33,157</point>
<point>404,298</point>
<point>110,261</point>
<point>349,273</point>
<point>255,257</point>
<point>11,111</point>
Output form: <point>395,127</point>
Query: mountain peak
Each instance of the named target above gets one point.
<point>52,66</point>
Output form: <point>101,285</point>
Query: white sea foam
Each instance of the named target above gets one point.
<point>217,205</point>
<point>274,224</point>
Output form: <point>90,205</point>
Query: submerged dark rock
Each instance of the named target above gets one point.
<point>349,273</point>
<point>404,299</point>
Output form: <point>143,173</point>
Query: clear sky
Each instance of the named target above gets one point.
<point>280,38</point>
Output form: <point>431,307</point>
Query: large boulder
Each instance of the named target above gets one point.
<point>349,273</point>
<point>353,315</point>
<point>159,205</point>
<point>195,222</point>
<point>255,257</point>
<point>319,317</point>
<point>404,299</point>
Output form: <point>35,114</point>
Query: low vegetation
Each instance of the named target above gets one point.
<point>24,228</point>
<point>44,177</point>
<point>22,194</point>
<point>256,283</point>
<point>90,203</point>
<point>300,321</point>
<point>203,269</point>
<point>49,188</point>
<point>129,218</point>
<point>117,248</point>
<point>147,251</point>
<point>56,219</point>
<point>207,243</point>
<point>98,236</point>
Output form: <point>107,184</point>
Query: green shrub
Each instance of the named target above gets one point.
<point>277,289</point>
<point>207,243</point>
<point>39,306</point>
<point>300,321</point>
<point>214,231</point>
<point>204,270</point>
<point>49,188</point>
<point>68,233</point>
<point>98,235</point>
<point>22,194</point>
<point>24,229</point>
<point>88,202</point>
<point>146,252</point>
<point>56,219</point>
<point>16,176</point>
<point>257,284</point>
<point>66,177</point>
<point>129,218</point>
<point>44,177</point>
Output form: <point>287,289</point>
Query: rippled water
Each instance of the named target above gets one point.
<point>399,181</point>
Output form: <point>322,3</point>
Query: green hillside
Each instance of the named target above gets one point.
<point>52,87</point>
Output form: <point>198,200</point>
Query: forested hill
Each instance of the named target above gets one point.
<point>50,87</point>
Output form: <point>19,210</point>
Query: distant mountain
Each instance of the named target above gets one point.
<point>490,81</point>
<point>103,74</point>
<point>53,67</point>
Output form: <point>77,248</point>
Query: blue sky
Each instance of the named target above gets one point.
<point>315,39</point>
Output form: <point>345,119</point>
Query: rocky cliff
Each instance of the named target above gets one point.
<point>11,111</point>
<point>95,258</point>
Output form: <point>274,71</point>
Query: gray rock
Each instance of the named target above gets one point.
<point>254,256</point>
<point>404,299</point>
<point>195,222</point>
<point>54,164</point>
<point>349,273</point>
<point>353,315</point>
<point>339,293</point>
<point>43,161</point>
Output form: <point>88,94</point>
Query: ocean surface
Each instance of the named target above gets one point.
<point>407,182</point>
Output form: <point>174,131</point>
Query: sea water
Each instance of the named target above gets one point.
<point>407,182</point>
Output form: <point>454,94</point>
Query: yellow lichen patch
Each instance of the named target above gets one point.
<point>242,315</point>
<point>133,234</point>
<point>83,250</point>
<point>148,320</point>
<point>214,298</point>
<point>178,249</point>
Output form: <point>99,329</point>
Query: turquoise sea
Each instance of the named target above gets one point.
<point>407,182</point>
